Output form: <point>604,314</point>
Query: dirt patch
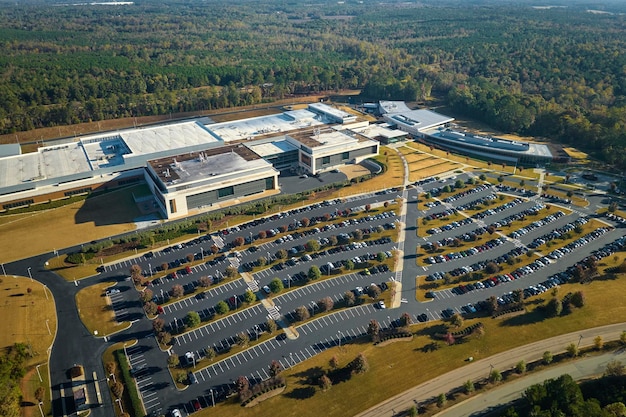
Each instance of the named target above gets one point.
<point>29,403</point>
<point>353,171</point>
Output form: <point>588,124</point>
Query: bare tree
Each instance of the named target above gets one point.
<point>326,304</point>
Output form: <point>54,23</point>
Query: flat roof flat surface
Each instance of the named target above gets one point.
<point>18,169</point>
<point>375,130</point>
<point>394,106</point>
<point>251,128</point>
<point>166,137</point>
<point>420,119</point>
<point>272,148</point>
<point>333,111</point>
<point>519,147</point>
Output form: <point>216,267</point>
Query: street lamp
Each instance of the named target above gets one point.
<point>212,397</point>
<point>579,339</point>
<point>291,357</point>
<point>235,297</point>
<point>117,400</point>
<point>150,268</point>
<point>339,336</point>
<point>202,253</point>
<point>29,274</point>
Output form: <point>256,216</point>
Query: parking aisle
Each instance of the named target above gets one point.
<point>138,369</point>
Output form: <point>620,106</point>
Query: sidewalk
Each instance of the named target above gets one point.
<point>480,369</point>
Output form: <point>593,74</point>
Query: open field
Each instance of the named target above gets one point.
<point>96,312</point>
<point>432,171</point>
<point>390,365</point>
<point>576,154</point>
<point>28,312</point>
<point>95,218</point>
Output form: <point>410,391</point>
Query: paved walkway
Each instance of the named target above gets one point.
<point>480,369</point>
<point>510,391</point>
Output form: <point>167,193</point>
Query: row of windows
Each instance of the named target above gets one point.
<point>18,204</point>
<point>79,191</point>
<point>129,181</point>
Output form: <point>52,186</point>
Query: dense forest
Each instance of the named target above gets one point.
<point>555,72</point>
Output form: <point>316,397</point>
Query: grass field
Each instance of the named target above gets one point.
<point>390,366</point>
<point>27,316</point>
<point>96,312</point>
<point>95,218</point>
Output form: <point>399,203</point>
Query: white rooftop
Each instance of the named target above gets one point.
<point>375,130</point>
<point>419,119</point>
<point>393,106</point>
<point>332,111</point>
<point>166,137</point>
<point>272,148</point>
<point>257,126</point>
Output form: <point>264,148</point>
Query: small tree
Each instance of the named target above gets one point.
<point>271,326</point>
<point>326,304</point>
<point>572,350</point>
<point>495,376</point>
<point>158,325</point>
<point>281,254</point>
<point>357,234</point>
<point>598,343</point>
<point>262,234</point>
<point>468,386</point>
<point>373,329</point>
<point>360,365</point>
<point>222,308</point>
<point>173,360</point>
<point>205,282</point>
<point>349,264</point>
<point>275,368</point>
<point>150,308</point>
<point>177,291</point>
<point>305,222</point>
<point>164,338</point>
<point>110,367</point>
<point>231,272</point>
<point>325,383</point>
<point>210,353</point>
<point>192,319</point>
<point>214,249</point>
<point>483,177</point>
<point>302,313</point>
<point>249,297</point>
<point>190,257</point>
<point>261,261</point>
<point>239,241</point>
<point>520,367</point>
<point>242,339</point>
<point>381,256</point>
<point>449,339</point>
<point>492,304</point>
<point>312,245</point>
<point>413,411</point>
<point>349,299</point>
<point>164,266</point>
<point>373,290</point>
<point>117,389</point>
<point>146,295</point>
<point>276,286</point>
<point>332,240</point>
<point>242,385</point>
<point>622,338</point>
<point>456,320</point>
<point>441,400</point>
<point>314,273</point>
<point>405,319</point>
<point>333,363</point>
<point>547,357</point>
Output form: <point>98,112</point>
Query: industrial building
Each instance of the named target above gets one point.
<point>188,165</point>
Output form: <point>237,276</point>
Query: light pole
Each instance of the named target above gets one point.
<point>579,339</point>
<point>119,402</point>
<point>339,336</point>
<point>212,397</point>
<point>29,274</point>
<point>202,253</point>
<point>150,268</point>
<point>291,358</point>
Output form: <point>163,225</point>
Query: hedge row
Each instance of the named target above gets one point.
<point>466,331</point>
<point>258,394</point>
<point>130,389</point>
<point>394,336</point>
<point>508,311</point>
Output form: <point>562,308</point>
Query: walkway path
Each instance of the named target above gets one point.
<point>579,369</point>
<point>480,369</point>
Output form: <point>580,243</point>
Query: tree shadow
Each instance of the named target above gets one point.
<point>301,393</point>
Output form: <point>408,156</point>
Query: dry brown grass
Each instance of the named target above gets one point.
<point>576,154</point>
<point>96,312</point>
<point>95,218</point>
<point>25,315</point>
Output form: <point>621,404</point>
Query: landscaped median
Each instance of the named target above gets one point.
<point>96,312</point>
<point>120,380</point>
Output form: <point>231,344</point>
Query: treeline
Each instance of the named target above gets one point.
<point>555,72</point>
<point>11,371</point>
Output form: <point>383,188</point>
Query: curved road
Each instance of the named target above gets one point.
<point>480,369</point>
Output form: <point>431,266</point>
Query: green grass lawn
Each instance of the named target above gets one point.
<point>96,312</point>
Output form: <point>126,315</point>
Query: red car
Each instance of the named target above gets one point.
<point>196,405</point>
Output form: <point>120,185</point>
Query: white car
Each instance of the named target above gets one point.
<point>381,305</point>
<point>176,413</point>
<point>267,289</point>
<point>112,291</point>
